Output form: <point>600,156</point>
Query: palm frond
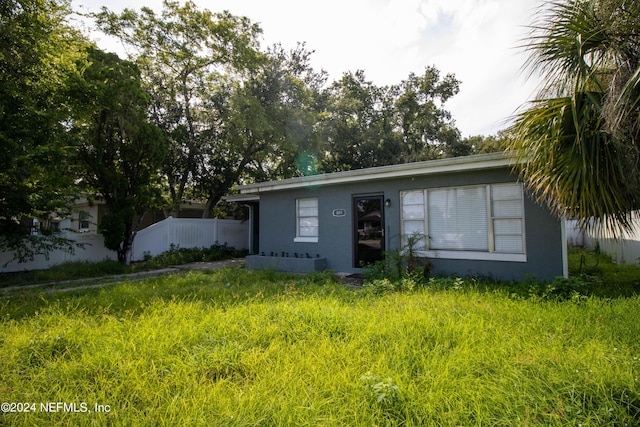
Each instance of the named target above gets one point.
<point>570,164</point>
<point>578,144</point>
<point>564,44</point>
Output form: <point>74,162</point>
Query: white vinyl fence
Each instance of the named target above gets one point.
<point>575,236</point>
<point>624,250</point>
<point>153,240</point>
<point>190,233</point>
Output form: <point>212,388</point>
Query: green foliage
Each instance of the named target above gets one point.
<point>605,278</point>
<point>177,256</point>
<point>191,62</point>
<point>83,270</point>
<point>383,394</point>
<point>264,126</point>
<point>563,288</point>
<point>365,125</point>
<point>239,348</point>
<point>591,274</point>
<point>401,269</point>
<point>64,272</point>
<point>577,144</point>
<point>120,152</point>
<point>39,51</point>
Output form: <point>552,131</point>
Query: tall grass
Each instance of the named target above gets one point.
<point>241,348</point>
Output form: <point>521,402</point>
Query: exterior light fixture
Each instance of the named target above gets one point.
<point>387,203</point>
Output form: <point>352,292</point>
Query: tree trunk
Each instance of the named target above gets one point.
<point>212,201</point>
<point>125,250</point>
<point>124,254</point>
<point>206,213</point>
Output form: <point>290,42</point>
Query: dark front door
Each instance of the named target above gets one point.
<point>368,230</point>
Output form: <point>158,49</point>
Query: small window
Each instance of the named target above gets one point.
<point>306,220</point>
<point>84,221</point>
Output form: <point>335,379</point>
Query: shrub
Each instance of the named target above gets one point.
<point>563,288</point>
<point>177,255</point>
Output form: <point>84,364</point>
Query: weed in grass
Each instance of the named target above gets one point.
<point>384,396</point>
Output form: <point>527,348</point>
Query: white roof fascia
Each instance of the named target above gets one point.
<point>430,167</point>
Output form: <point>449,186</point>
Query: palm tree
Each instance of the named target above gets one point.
<point>578,144</point>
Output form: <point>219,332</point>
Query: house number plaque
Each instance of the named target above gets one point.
<point>339,212</point>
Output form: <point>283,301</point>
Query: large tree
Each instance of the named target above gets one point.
<point>187,57</point>
<point>264,126</point>
<point>358,126</point>
<point>578,142</point>
<point>427,128</point>
<point>120,152</point>
<point>365,125</point>
<point>39,52</point>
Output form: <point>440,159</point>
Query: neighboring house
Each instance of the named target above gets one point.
<point>478,219</point>
<point>85,216</point>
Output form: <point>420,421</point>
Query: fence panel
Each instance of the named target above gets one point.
<point>190,233</point>
<point>575,236</point>
<point>233,233</point>
<point>625,249</point>
<point>153,240</point>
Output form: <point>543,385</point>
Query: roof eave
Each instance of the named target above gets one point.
<point>430,167</point>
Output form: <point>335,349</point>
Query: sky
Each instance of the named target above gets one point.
<point>476,40</point>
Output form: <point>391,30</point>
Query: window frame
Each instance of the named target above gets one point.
<point>490,254</point>
<point>84,222</point>
<point>306,239</point>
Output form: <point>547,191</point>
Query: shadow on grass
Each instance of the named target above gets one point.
<point>83,270</point>
<point>220,288</point>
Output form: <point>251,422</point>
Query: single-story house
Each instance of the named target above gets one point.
<point>477,219</point>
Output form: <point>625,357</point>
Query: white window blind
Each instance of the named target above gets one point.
<point>307,217</point>
<point>458,219</point>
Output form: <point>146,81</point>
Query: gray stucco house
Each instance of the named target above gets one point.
<point>478,217</point>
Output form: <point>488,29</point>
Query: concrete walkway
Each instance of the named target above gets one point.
<point>96,282</point>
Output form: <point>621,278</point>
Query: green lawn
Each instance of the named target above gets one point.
<point>243,348</point>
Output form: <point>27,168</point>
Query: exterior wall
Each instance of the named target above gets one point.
<point>544,237</point>
<point>93,251</point>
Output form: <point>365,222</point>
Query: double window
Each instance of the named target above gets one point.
<point>483,222</point>
<point>306,220</point>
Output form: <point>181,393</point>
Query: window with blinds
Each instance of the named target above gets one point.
<point>307,219</point>
<point>508,218</point>
<point>482,218</point>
